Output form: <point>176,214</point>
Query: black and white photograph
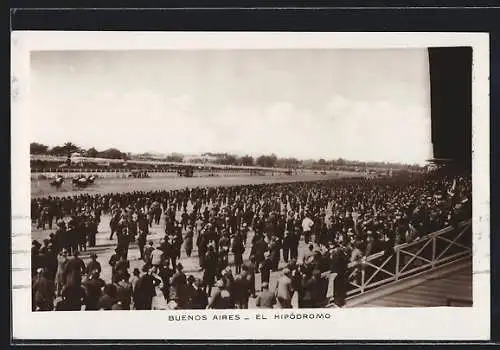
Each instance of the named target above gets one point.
<point>297,182</point>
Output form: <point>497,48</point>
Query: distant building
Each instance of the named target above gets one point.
<point>77,158</point>
<point>203,159</point>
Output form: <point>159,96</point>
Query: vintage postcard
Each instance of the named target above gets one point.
<point>250,186</point>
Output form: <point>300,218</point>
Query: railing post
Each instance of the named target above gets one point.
<point>362,279</point>
<point>396,273</point>
<point>433,252</point>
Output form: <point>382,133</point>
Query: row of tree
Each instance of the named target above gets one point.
<point>68,148</point>
<point>268,161</point>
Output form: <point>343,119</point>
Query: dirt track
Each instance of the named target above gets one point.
<point>40,188</point>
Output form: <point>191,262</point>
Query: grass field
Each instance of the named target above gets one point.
<point>41,188</point>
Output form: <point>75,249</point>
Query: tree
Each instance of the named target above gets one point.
<point>228,159</point>
<point>69,148</point>
<point>267,161</point>
<point>288,162</point>
<point>58,151</point>
<point>246,160</point>
<point>341,161</point>
<point>38,148</point>
<point>111,153</point>
<point>177,158</point>
<point>92,152</point>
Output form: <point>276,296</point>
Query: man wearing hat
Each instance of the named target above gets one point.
<point>148,250</point>
<point>190,290</point>
<point>114,259</point>
<point>36,261</point>
<point>244,232</point>
<point>93,264</point>
<point>294,244</point>
<point>169,248</point>
<point>124,290</point>
<point>44,291</point>
<point>286,245</point>
<point>145,289</point>
<point>60,239</point>
<point>238,248</point>
<point>121,267</point>
<point>92,232</point>
<point>124,238</point>
<point>266,268</point>
<point>199,298</point>
<point>178,285</point>
<point>177,241</point>
<point>93,289</point>
<point>74,270</point>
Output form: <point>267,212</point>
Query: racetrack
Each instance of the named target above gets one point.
<point>41,188</point>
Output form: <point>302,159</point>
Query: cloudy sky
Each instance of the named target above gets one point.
<point>354,104</point>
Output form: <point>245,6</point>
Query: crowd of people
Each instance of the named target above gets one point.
<point>238,233</point>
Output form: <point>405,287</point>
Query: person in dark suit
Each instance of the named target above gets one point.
<point>44,291</point>
<point>93,265</point>
<point>294,245</point>
<point>145,290</point>
<point>141,241</point>
<point>266,268</point>
<point>260,247</point>
<point>113,260</point>
<point>92,232</point>
<point>306,289</point>
<point>274,250</point>
<point>286,246</point>
<point>210,266</point>
<point>93,288</point>
<point>340,263</point>
<point>124,238</point>
<point>250,269</point>
<point>165,273</point>
<point>120,268</point>
<point>124,291</point>
<point>238,248</point>
<point>108,298</point>
<point>178,286</point>
<point>169,248</point>
<point>198,298</point>
<point>73,297</point>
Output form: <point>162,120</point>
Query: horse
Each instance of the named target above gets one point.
<point>83,181</point>
<point>57,182</point>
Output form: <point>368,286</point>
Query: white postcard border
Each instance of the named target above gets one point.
<point>444,323</point>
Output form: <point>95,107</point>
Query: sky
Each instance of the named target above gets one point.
<point>368,105</point>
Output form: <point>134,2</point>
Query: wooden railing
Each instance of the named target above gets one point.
<point>426,253</point>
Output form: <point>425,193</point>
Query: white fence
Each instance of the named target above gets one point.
<point>120,174</point>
